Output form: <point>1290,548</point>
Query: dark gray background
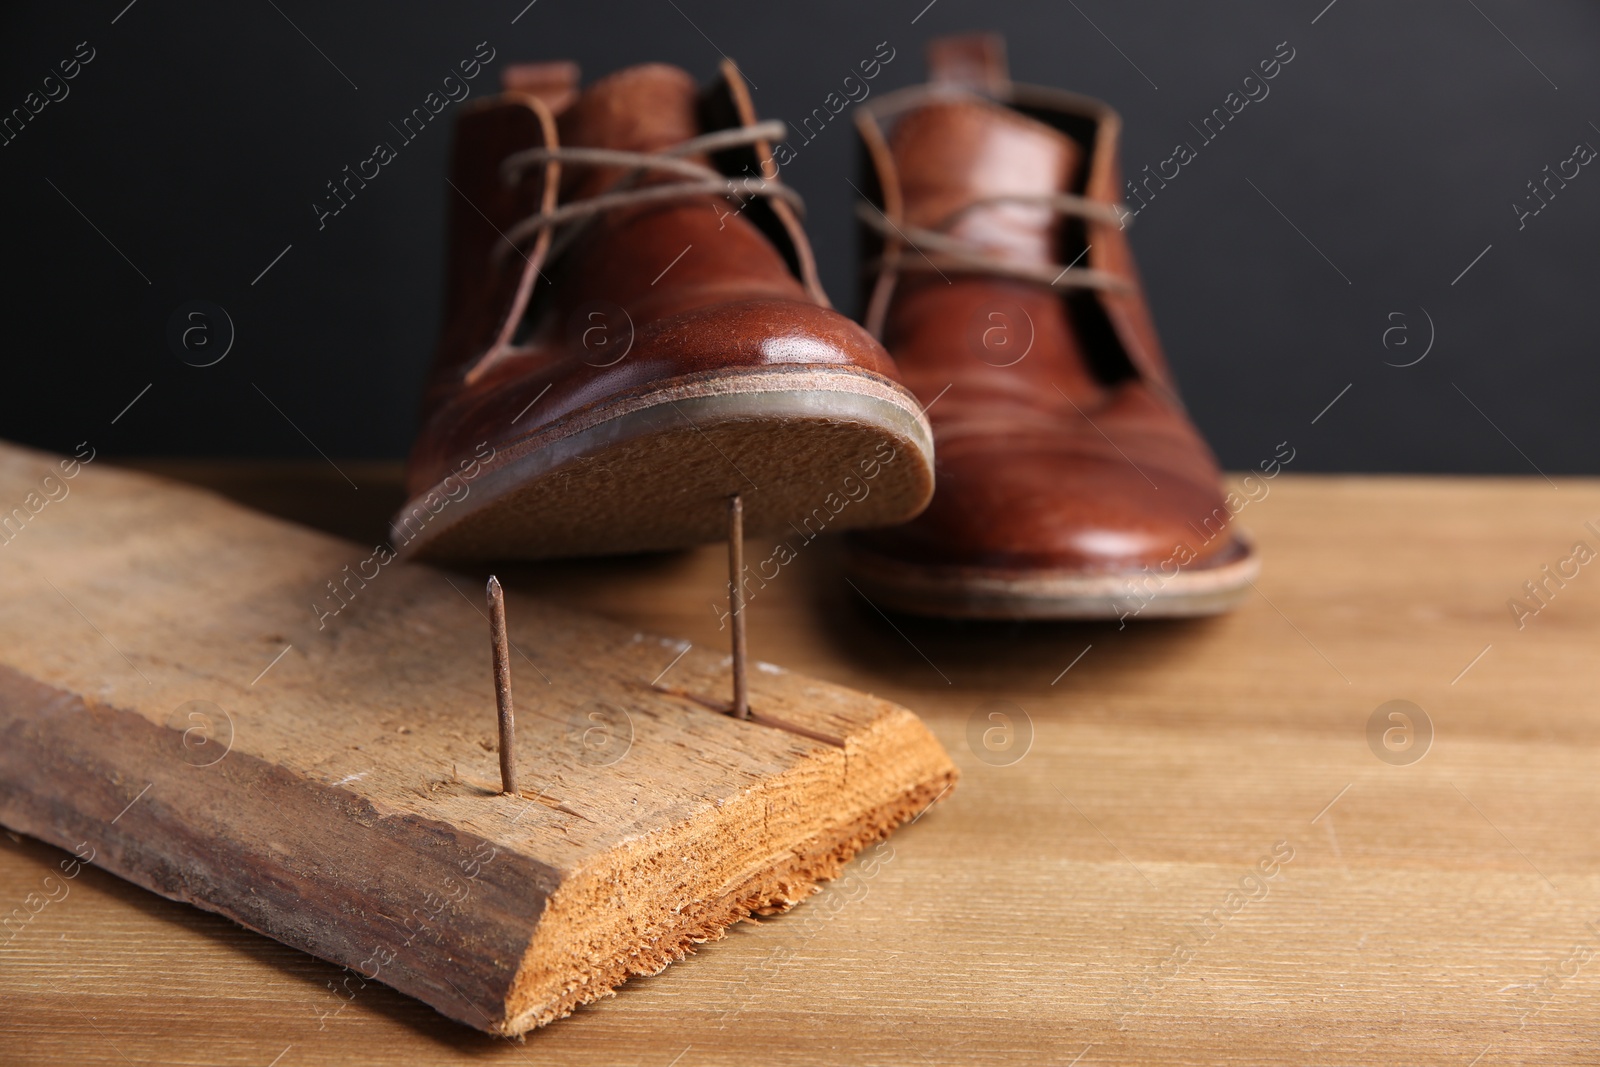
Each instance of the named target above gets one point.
<point>1396,142</point>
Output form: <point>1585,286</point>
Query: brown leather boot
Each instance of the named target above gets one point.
<point>634,332</point>
<point>1071,483</point>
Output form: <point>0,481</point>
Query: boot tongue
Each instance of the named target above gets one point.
<point>952,153</point>
<point>639,109</point>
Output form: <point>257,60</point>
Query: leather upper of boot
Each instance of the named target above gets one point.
<point>629,298</point>
<point>1059,440</point>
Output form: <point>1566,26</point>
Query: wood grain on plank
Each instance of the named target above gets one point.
<point>1414,923</point>
<point>299,734</point>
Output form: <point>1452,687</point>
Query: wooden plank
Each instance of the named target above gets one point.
<point>1413,924</point>
<point>298,733</point>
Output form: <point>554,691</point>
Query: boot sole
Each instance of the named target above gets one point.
<point>653,471</point>
<point>986,593</point>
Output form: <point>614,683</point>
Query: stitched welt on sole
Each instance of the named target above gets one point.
<point>985,593</point>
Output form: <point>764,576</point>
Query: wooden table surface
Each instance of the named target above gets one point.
<point>1190,852</point>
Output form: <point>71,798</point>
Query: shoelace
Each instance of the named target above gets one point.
<point>962,256</point>
<point>699,179</point>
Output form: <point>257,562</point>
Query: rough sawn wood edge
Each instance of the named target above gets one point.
<point>321,868</point>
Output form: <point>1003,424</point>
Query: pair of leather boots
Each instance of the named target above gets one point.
<point>635,333</point>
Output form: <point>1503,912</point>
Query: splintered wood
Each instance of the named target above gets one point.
<point>300,733</point>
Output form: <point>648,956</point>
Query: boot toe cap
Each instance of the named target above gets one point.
<point>1062,508</point>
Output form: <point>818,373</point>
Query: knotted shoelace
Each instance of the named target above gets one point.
<point>938,251</point>
<point>698,179</point>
